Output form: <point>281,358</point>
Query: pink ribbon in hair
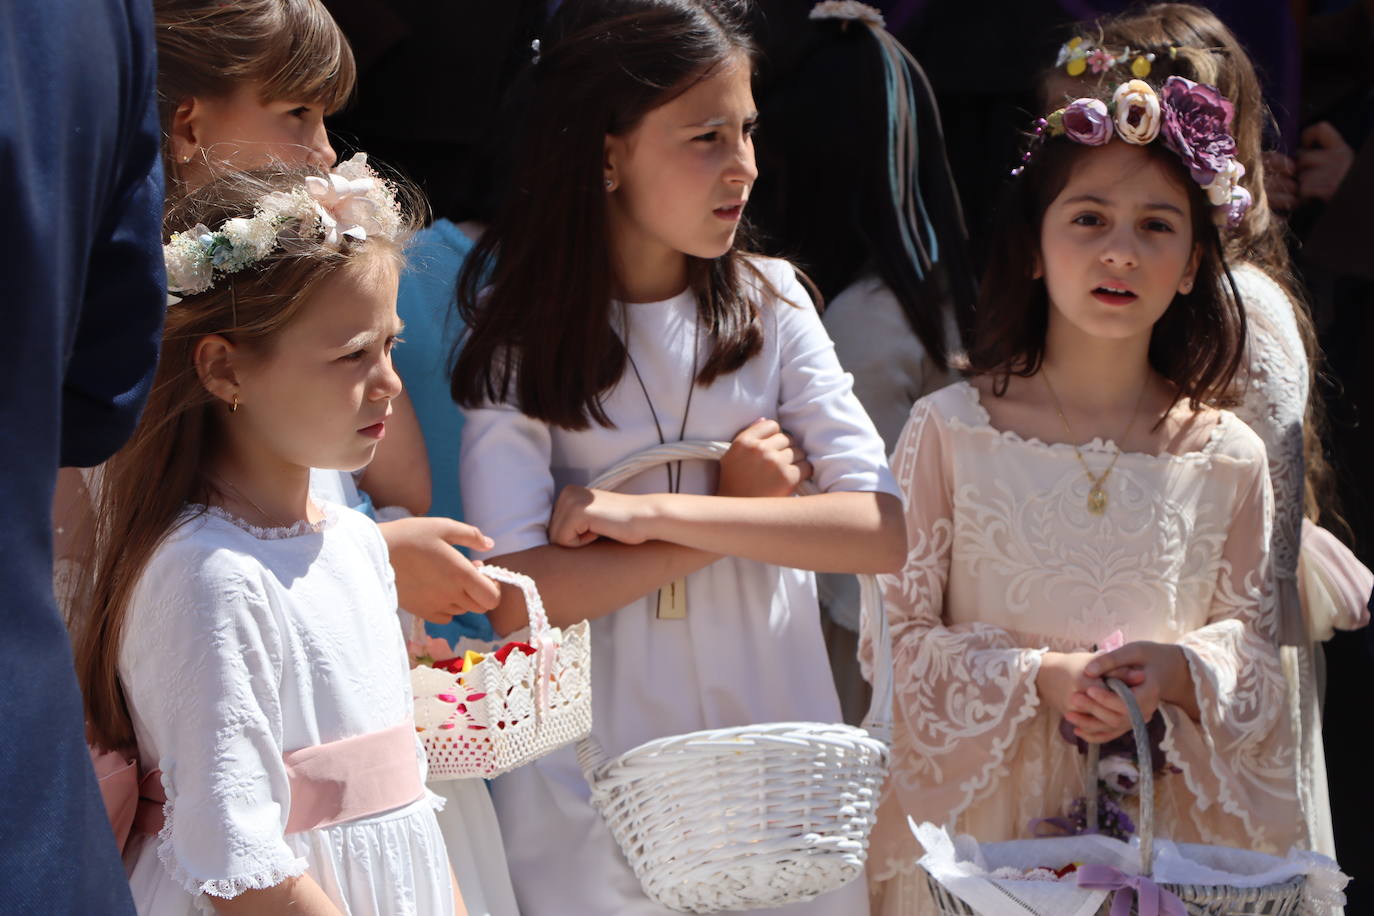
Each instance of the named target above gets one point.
<point>1150,898</point>
<point>347,207</point>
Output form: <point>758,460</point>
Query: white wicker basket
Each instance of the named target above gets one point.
<point>748,817</point>
<point>502,716</point>
<point>1282,898</point>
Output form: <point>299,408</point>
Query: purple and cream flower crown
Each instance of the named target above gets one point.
<point>1193,119</point>
<point>350,202</point>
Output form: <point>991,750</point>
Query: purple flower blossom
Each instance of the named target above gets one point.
<point>1086,121</point>
<point>1238,207</point>
<point>1197,126</point>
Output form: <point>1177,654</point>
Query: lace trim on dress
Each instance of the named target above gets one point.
<point>273,534</point>
<point>1176,758</point>
<point>1098,444</point>
<point>224,888</point>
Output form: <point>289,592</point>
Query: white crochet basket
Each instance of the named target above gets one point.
<point>497,717</point>
<point>747,817</point>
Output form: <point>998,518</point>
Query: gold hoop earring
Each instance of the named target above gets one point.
<point>234,405</point>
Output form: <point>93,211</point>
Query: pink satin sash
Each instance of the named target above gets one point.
<point>330,783</point>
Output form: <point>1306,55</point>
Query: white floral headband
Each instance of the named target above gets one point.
<point>350,202</point>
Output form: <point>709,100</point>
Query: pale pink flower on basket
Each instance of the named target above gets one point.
<point>430,647</point>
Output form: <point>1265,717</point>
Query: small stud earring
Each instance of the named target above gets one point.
<point>609,184</point>
<point>234,405</point>
<point>1186,288</point>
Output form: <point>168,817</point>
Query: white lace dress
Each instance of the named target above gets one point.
<point>1274,403</point>
<point>242,644</point>
<point>1005,562</point>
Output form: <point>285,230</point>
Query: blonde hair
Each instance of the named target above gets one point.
<point>148,484</point>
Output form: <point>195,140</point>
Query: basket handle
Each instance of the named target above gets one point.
<point>534,605</point>
<point>878,721</point>
<point>1144,763</point>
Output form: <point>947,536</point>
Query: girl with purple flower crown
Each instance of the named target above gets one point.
<point>1081,508</point>
<point>1276,392</point>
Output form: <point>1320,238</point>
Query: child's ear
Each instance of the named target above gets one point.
<point>610,166</point>
<point>1185,285</point>
<point>215,359</point>
<point>184,131</point>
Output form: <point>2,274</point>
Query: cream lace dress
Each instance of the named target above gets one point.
<point>1005,562</point>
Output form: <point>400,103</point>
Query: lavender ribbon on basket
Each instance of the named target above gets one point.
<point>1151,899</point>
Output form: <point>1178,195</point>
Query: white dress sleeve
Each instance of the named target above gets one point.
<point>1273,404</point>
<point>817,404</point>
<point>508,491</point>
<point>201,668</point>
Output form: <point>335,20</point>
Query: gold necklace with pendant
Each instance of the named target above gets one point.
<point>1097,494</point>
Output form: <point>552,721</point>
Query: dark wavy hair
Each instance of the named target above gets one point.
<point>536,293</point>
<point>1197,344</point>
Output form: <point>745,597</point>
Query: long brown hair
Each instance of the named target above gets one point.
<point>1197,344</point>
<point>147,486</point>
<point>292,49</point>
<point>537,291</point>
<point>1192,42</point>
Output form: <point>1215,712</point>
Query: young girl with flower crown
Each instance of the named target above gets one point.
<point>622,312</point>
<point>242,638</point>
<point>1277,395</point>
<point>1080,491</point>
<point>243,85</point>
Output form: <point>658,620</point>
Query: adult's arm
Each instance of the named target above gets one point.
<point>119,327</point>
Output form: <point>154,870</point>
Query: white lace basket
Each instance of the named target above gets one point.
<point>497,717</point>
<point>1207,880</point>
<point>748,817</point>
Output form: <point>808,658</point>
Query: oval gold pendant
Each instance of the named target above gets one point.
<point>1097,501</point>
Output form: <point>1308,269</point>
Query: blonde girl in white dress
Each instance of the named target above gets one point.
<point>621,313</point>
<point>242,641</point>
<point>1079,490</point>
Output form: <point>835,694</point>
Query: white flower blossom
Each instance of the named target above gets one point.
<point>1137,112</point>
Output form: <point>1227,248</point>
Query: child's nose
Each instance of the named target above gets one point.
<point>388,382</point>
<point>321,152</point>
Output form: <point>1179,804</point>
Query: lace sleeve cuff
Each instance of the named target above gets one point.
<point>1238,757</point>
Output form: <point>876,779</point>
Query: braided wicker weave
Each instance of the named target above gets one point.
<point>502,716</point>
<point>753,816</point>
<point>1283,899</point>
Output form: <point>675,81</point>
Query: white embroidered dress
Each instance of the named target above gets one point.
<point>1006,562</point>
<point>242,644</point>
<point>1275,382</point>
<point>750,648</point>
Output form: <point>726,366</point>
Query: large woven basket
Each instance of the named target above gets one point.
<point>1283,899</point>
<point>497,717</point>
<point>748,817</point>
